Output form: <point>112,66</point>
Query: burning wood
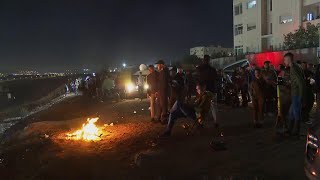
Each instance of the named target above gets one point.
<point>88,132</point>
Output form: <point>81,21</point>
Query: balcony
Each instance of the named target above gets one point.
<point>314,22</point>
<point>311,12</point>
<point>310,2</point>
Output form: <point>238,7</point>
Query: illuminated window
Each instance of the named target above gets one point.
<point>285,19</point>
<point>238,9</point>
<point>251,26</point>
<point>251,4</point>
<point>238,49</point>
<point>310,17</point>
<point>238,29</point>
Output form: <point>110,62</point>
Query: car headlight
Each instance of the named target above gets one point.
<point>146,86</point>
<point>312,141</point>
<point>130,87</point>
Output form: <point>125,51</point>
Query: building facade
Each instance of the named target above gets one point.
<point>210,50</point>
<point>260,25</point>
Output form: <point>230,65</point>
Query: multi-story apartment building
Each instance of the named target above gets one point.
<point>210,50</point>
<point>260,25</point>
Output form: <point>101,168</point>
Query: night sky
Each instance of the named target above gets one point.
<point>55,35</point>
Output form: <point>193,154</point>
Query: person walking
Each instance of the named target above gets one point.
<point>258,87</point>
<point>196,111</point>
<point>162,92</point>
<point>208,76</point>
<point>297,94</point>
<point>152,81</point>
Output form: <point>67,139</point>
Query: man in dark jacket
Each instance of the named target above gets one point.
<point>207,74</point>
<point>270,76</point>
<point>297,94</point>
<point>162,93</point>
<point>308,75</point>
<point>152,81</point>
<point>176,86</point>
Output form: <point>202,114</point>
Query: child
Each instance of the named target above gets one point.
<point>258,87</point>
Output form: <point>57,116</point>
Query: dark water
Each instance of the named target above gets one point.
<point>26,91</point>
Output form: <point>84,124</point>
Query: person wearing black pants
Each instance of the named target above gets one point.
<point>162,92</point>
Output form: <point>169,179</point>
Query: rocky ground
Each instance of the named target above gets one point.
<point>37,148</point>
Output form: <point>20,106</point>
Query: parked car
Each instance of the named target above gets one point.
<point>229,69</point>
<point>312,156</point>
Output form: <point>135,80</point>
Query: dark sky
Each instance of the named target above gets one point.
<point>59,34</point>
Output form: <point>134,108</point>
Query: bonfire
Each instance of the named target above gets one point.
<point>88,132</point>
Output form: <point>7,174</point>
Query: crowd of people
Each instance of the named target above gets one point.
<point>287,92</point>
<point>171,94</point>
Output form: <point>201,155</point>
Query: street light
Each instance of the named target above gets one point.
<point>124,65</point>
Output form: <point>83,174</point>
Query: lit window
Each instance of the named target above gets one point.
<point>252,4</point>
<point>238,29</point>
<point>309,17</point>
<point>251,26</point>
<point>285,19</point>
<point>238,9</point>
<point>238,49</point>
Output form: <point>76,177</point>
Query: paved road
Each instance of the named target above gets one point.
<point>250,152</point>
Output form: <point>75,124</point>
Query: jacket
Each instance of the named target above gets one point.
<point>203,104</point>
<point>298,86</point>
<point>258,88</point>
<point>163,82</point>
<point>152,81</point>
<point>208,75</point>
<point>270,77</point>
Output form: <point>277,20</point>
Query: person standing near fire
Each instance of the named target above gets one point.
<point>308,77</point>
<point>140,84</point>
<point>297,94</point>
<point>152,81</point>
<point>258,91</point>
<point>162,92</point>
<point>270,76</point>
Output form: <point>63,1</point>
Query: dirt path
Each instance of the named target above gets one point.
<point>30,154</point>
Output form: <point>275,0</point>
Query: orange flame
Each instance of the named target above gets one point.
<point>89,131</point>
